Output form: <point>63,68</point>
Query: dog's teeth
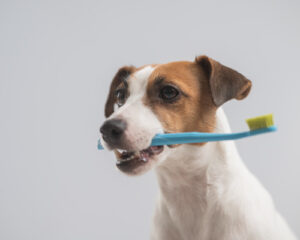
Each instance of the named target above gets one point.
<point>144,159</point>
<point>118,162</point>
<point>119,150</point>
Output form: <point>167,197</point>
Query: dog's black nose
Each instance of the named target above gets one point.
<point>112,130</point>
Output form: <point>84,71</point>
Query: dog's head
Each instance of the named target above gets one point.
<point>164,98</point>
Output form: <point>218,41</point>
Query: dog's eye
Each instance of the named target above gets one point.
<point>168,93</point>
<point>120,96</point>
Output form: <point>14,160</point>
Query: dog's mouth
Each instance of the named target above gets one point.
<point>130,161</point>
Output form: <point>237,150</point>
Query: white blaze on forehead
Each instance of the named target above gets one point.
<point>138,81</point>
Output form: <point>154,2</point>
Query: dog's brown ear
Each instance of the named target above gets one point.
<point>120,76</point>
<point>225,83</point>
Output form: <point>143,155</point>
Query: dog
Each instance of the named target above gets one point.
<point>206,192</point>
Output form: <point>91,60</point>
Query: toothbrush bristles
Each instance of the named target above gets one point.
<point>260,122</point>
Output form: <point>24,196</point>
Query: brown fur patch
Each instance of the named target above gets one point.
<point>204,85</point>
<point>121,75</point>
<point>194,110</point>
<point>225,83</point>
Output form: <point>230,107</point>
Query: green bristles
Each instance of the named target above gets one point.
<point>264,121</point>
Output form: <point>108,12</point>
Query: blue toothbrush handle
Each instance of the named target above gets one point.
<point>199,137</point>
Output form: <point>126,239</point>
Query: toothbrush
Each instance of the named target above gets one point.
<point>257,125</point>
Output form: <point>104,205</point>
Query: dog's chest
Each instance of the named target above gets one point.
<point>185,203</point>
<point>190,215</point>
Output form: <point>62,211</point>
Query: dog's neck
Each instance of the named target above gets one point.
<point>193,175</point>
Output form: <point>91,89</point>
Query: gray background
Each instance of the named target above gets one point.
<point>57,59</point>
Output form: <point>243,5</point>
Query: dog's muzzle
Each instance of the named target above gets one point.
<point>113,131</point>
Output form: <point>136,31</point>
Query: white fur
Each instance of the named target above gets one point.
<point>207,193</point>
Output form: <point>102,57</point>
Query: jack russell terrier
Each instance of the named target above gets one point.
<point>206,192</point>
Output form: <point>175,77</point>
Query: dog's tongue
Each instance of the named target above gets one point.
<point>152,150</point>
<point>156,149</point>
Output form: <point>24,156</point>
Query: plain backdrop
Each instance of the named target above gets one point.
<point>57,59</point>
